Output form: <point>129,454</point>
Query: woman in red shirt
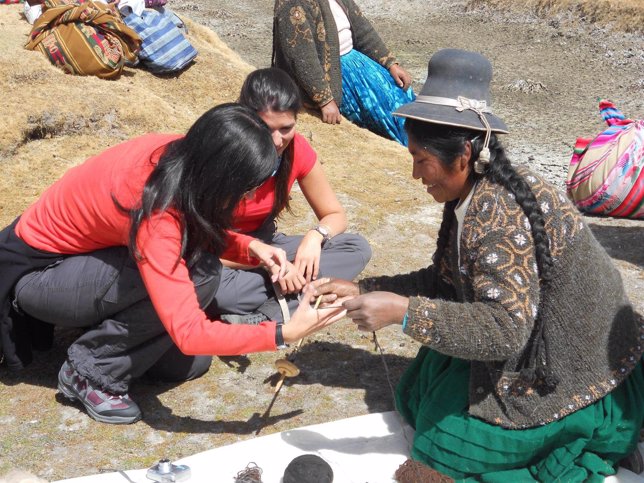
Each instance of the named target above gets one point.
<point>170,200</point>
<point>245,294</point>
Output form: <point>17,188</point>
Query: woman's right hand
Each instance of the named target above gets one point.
<point>331,113</point>
<point>273,258</point>
<point>401,76</point>
<point>334,289</point>
<point>307,320</point>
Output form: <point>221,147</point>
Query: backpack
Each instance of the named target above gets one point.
<point>606,174</point>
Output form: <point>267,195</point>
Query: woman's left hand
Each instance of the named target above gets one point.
<point>375,310</point>
<point>273,258</point>
<point>401,76</point>
<point>292,282</point>
<point>307,258</point>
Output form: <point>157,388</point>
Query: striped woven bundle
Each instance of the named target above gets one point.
<point>164,48</point>
<point>84,37</point>
<point>606,174</point>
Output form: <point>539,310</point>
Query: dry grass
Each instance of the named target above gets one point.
<point>620,15</point>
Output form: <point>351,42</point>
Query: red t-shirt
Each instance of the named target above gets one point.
<point>77,214</point>
<point>250,214</point>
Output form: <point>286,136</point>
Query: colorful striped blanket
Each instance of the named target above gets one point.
<point>606,174</point>
<point>84,37</point>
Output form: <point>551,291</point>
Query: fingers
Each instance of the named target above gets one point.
<point>337,287</point>
<point>292,282</point>
<point>301,281</point>
<point>316,285</point>
<point>401,77</point>
<point>407,80</point>
<point>320,288</point>
<point>311,271</point>
<point>353,304</point>
<point>274,259</point>
<point>331,119</point>
<point>274,270</point>
<point>331,113</point>
<point>300,266</point>
<point>290,286</point>
<point>328,299</point>
<point>282,283</point>
<point>308,295</point>
<point>323,286</point>
<point>328,316</point>
<point>296,282</point>
<point>280,256</point>
<point>307,268</point>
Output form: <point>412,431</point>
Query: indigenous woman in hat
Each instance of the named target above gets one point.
<point>246,293</point>
<point>341,64</point>
<point>170,199</point>
<point>531,360</point>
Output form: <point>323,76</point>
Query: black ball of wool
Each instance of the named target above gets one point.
<point>308,468</point>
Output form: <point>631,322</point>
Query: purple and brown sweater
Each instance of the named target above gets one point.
<point>484,309</point>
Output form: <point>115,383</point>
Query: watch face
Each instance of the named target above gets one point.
<point>323,231</point>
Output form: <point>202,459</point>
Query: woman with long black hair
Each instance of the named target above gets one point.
<point>531,362</point>
<point>246,294</point>
<point>170,199</point>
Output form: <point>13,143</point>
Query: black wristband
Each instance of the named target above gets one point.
<point>279,338</point>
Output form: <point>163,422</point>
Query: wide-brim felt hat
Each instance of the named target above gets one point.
<point>456,93</point>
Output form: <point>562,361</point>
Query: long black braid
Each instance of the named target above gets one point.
<point>443,238</point>
<point>447,143</point>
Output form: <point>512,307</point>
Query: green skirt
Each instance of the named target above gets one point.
<point>583,446</point>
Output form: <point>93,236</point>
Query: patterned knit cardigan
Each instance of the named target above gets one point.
<point>306,45</point>
<point>485,309</point>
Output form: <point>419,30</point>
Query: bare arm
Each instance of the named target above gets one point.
<point>330,213</point>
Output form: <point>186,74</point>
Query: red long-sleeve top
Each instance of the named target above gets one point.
<point>77,214</point>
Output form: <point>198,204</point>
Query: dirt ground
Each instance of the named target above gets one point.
<point>548,75</point>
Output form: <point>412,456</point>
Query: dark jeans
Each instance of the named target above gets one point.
<point>104,292</point>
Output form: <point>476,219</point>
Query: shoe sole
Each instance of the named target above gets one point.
<point>71,395</point>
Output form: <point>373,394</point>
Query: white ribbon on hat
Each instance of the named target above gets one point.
<point>460,103</point>
<point>479,107</point>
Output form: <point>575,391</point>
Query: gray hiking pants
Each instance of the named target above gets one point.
<point>104,292</point>
<point>246,291</point>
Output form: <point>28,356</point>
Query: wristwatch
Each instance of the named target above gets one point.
<point>279,338</point>
<point>324,231</point>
